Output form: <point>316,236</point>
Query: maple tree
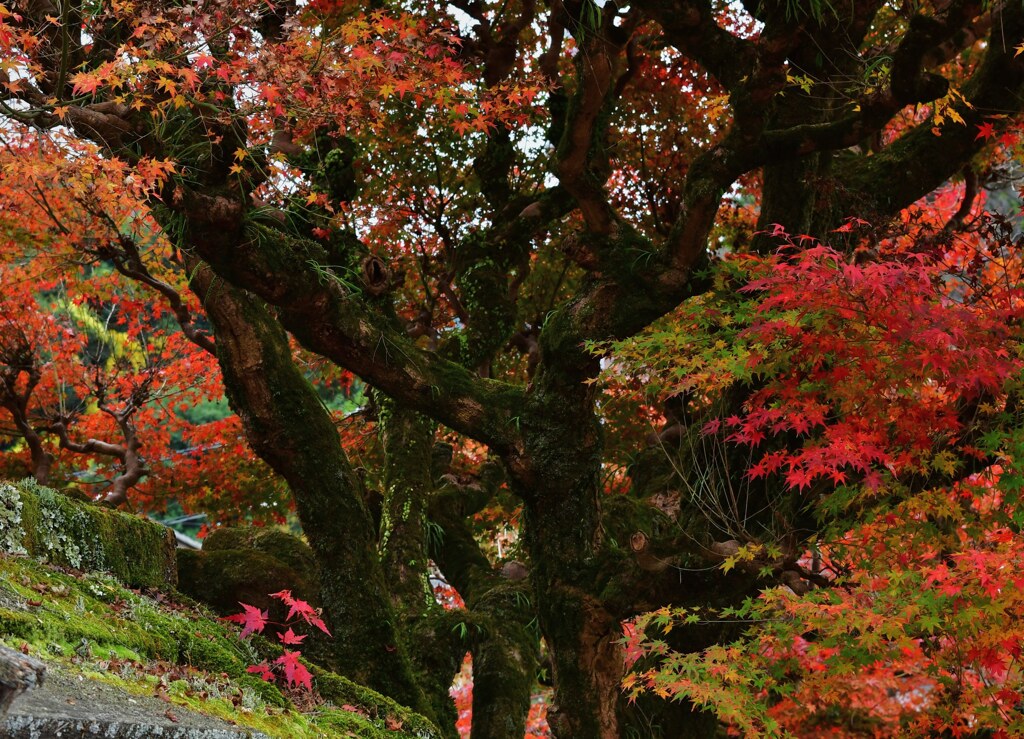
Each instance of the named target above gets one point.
<point>697,297</point>
<point>81,382</point>
<point>899,583</point>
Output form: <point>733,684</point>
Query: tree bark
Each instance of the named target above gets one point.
<point>499,611</point>
<point>407,439</point>
<point>288,427</point>
<point>557,474</point>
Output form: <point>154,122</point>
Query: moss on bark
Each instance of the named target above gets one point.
<point>288,426</point>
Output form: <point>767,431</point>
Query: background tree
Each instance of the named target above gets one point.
<point>459,203</point>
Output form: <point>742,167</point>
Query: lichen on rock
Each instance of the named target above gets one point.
<point>56,528</point>
<point>12,533</point>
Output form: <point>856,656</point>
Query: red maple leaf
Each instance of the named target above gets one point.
<point>294,671</point>
<point>252,619</point>
<point>290,637</point>
<point>985,131</point>
<point>302,609</point>
<point>264,671</point>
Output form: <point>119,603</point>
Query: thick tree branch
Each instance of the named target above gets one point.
<point>919,161</point>
<point>922,48</point>
<point>582,155</point>
<point>321,313</point>
<point>691,28</point>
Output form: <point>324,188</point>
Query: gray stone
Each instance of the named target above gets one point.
<point>69,706</point>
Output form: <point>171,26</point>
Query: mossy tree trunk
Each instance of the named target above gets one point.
<point>557,474</point>
<point>290,429</point>
<point>407,439</point>
<point>496,626</point>
<point>563,539</point>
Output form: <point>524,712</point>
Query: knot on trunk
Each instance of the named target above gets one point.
<point>640,543</point>
<point>514,570</point>
<point>376,275</point>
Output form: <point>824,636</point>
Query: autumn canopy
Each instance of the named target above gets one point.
<point>677,342</point>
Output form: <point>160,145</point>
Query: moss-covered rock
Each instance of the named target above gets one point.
<point>56,528</point>
<point>289,549</point>
<point>239,565</point>
<point>223,579</point>
<point>381,709</point>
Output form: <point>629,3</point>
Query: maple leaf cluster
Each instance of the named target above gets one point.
<point>287,666</point>
<point>879,382</point>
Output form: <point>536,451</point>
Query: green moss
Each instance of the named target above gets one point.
<point>227,538</point>
<point>225,578</point>
<point>483,289</point>
<point>53,527</point>
<point>18,625</point>
<point>342,691</point>
<point>58,615</point>
<point>281,545</point>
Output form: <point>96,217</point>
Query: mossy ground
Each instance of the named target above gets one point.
<point>93,625</point>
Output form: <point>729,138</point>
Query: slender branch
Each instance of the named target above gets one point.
<point>129,263</point>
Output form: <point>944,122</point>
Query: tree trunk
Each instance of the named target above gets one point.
<point>407,438</point>
<point>289,428</point>
<point>581,634</point>
<point>557,474</point>
<point>499,612</point>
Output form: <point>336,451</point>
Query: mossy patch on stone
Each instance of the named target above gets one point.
<point>55,528</point>
<point>246,565</point>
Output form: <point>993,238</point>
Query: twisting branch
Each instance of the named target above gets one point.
<point>919,161</point>
<point>690,27</point>
<point>582,154</point>
<point>133,465</point>
<point>967,202</point>
<point>128,261</point>
<point>17,359</point>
